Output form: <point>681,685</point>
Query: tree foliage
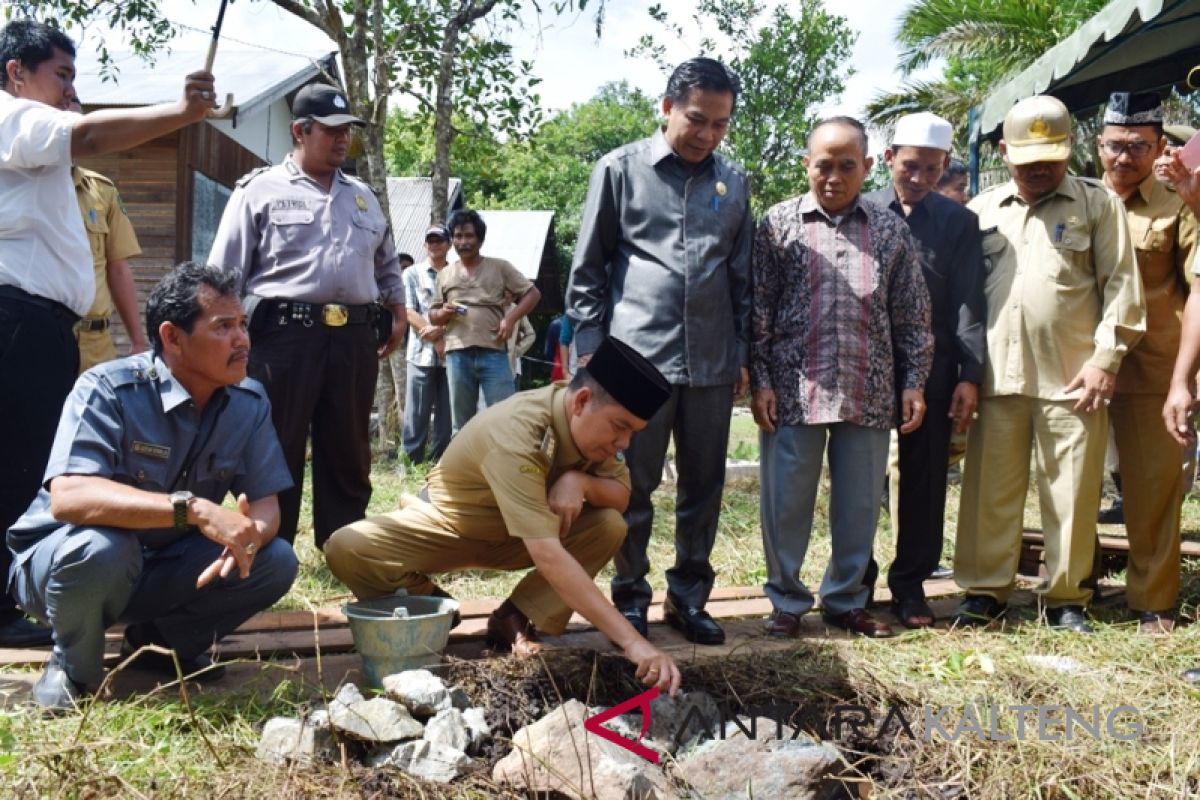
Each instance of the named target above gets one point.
<point>983,42</point>
<point>546,170</point>
<point>791,59</point>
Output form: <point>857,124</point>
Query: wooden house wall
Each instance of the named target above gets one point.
<point>155,182</point>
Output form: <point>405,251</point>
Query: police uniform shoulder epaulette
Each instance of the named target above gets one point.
<point>251,175</point>
<point>91,174</point>
<point>121,373</point>
<point>1093,182</point>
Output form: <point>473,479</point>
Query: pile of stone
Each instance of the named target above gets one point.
<point>695,760</point>
<point>419,725</point>
<point>430,730</point>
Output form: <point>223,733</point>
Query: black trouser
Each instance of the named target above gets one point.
<point>699,419</point>
<point>38,363</point>
<point>922,500</point>
<point>320,379</point>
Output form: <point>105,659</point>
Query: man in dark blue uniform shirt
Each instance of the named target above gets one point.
<point>128,526</point>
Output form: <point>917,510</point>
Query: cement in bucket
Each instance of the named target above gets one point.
<point>389,644</point>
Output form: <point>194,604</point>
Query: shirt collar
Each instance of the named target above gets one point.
<point>809,205</point>
<point>568,452</point>
<point>1149,187</point>
<point>296,172</point>
<point>1009,194</point>
<point>660,150</point>
<point>170,390</point>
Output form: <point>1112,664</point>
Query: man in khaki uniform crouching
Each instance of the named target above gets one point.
<point>1064,306</point>
<point>537,480</point>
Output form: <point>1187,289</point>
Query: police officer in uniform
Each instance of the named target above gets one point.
<point>113,243</point>
<point>129,526</point>
<point>537,480</point>
<point>316,252</point>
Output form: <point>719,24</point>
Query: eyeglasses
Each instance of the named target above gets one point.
<point>1135,149</point>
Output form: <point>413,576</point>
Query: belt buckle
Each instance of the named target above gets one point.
<point>335,315</point>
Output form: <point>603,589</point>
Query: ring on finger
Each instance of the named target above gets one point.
<point>251,549</point>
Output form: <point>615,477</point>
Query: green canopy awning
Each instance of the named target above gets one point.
<point>1130,45</point>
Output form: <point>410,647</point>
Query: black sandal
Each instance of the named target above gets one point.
<point>911,609</point>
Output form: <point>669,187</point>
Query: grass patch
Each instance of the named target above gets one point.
<point>160,746</point>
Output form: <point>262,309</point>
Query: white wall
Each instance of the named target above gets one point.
<point>266,133</point>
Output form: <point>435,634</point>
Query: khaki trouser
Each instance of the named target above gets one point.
<point>95,347</point>
<point>377,555</point>
<point>1152,485</point>
<point>389,398</point>
<point>1068,449</point>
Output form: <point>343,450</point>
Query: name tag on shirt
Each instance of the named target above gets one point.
<point>152,450</point>
<point>290,212</point>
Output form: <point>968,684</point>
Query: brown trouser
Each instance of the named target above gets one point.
<point>95,347</point>
<point>1152,481</point>
<point>1068,448</point>
<point>380,554</point>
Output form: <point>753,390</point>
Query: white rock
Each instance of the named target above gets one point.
<point>449,728</point>
<point>375,720</point>
<point>348,695</point>
<point>422,692</point>
<point>767,768</point>
<point>429,760</point>
<point>477,724</point>
<point>557,754</point>
<point>289,740</point>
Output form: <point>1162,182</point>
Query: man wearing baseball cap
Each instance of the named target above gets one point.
<point>538,480</point>
<point>952,263</point>
<point>428,390</point>
<point>1064,306</point>
<point>315,254</point>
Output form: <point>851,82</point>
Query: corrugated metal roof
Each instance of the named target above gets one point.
<point>1129,45</point>
<point>410,200</point>
<point>255,79</point>
<point>519,237</point>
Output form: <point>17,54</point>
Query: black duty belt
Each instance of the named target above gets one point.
<point>92,324</point>
<point>54,307</point>
<point>333,315</point>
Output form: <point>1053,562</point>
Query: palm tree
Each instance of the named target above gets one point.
<point>983,42</point>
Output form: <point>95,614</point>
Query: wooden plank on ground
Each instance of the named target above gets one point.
<point>1110,544</point>
<point>280,634</point>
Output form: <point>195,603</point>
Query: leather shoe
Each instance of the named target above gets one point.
<point>783,625</point>
<point>913,612</point>
<point>942,572</point>
<point>1069,618</point>
<point>55,691</point>
<point>200,668</point>
<point>638,618</point>
<point>1191,676</point>
<point>978,609</point>
<point>696,624</point>
<point>24,632</point>
<point>860,621</point>
<point>1152,623</point>
<point>509,629</point>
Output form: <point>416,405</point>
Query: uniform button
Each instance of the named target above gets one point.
<point>141,474</point>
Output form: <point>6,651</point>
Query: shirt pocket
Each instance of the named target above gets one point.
<point>214,475</point>
<point>1072,256</point>
<point>290,228</point>
<point>993,250</point>
<point>147,472</point>
<point>365,232</point>
<point>97,234</point>
<point>1158,238</point>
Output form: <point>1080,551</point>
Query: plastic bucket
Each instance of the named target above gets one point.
<point>388,643</point>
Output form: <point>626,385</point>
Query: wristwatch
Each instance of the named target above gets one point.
<point>180,501</point>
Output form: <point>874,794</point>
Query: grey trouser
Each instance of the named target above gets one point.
<point>699,419</point>
<point>790,472</point>
<point>82,580</point>
<point>427,395</point>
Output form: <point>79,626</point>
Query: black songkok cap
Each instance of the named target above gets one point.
<point>631,380</point>
<point>1134,108</point>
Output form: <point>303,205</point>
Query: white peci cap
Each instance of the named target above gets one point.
<point>923,130</point>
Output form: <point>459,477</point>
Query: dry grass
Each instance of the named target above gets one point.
<point>159,746</point>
